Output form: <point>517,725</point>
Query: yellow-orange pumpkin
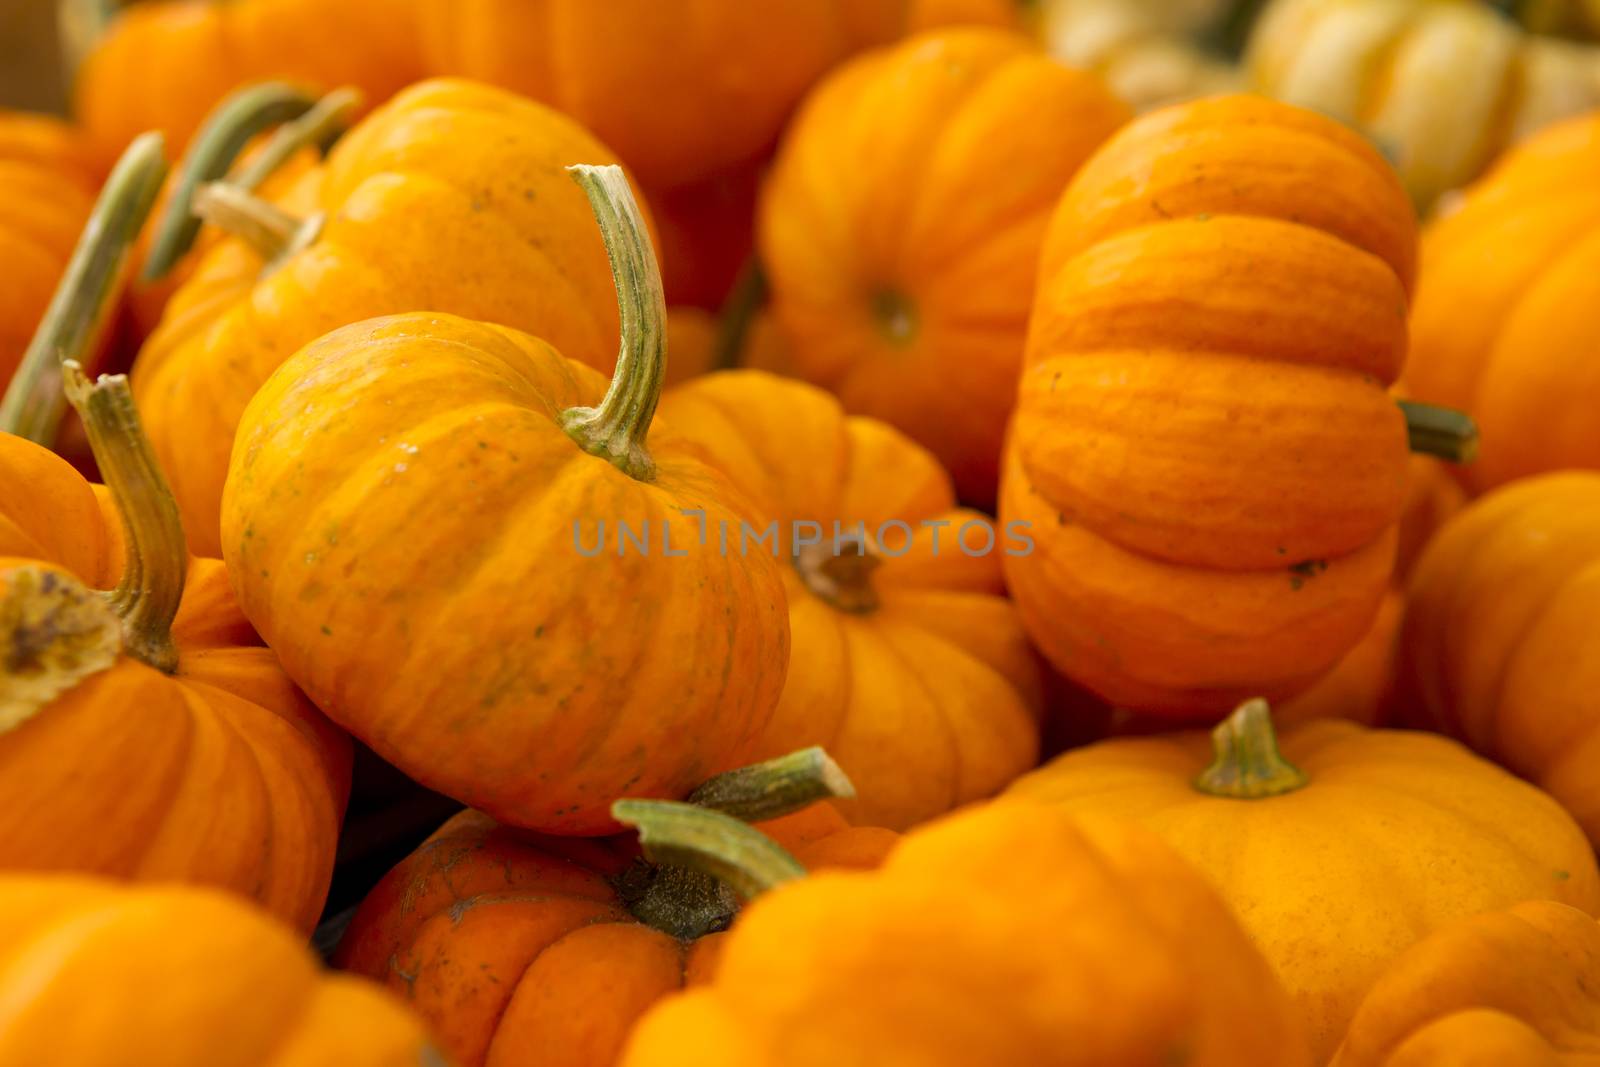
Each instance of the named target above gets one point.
<point>451,198</point>
<point>1339,852</point>
<point>1203,446</point>
<point>901,225</point>
<point>908,664</point>
<point>411,521</point>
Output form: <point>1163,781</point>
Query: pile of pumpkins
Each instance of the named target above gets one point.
<point>897,549</point>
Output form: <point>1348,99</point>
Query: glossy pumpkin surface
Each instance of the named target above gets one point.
<point>1506,317</point>
<point>179,977</point>
<point>452,198</point>
<point>952,954</point>
<point>907,663</point>
<point>1387,836</point>
<point>901,225</point>
<point>217,771</point>
<point>1512,988</point>
<point>414,534</point>
<point>1203,445</point>
<point>1496,647</point>
<point>518,945</point>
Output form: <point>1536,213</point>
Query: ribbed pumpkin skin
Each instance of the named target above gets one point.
<point>405,523</point>
<point>1396,834</point>
<point>1512,988</point>
<point>452,198</point>
<point>683,90</point>
<point>1507,315</point>
<point>1006,934</point>
<point>163,66</point>
<point>222,774</point>
<point>901,224</point>
<point>1392,66</point>
<point>178,977</point>
<point>516,947</point>
<point>928,700</point>
<point>1498,647</point>
<point>1203,444</point>
<point>47,188</point>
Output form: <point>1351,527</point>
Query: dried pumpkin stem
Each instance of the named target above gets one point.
<point>157,559</point>
<point>738,312</point>
<point>840,572</point>
<point>215,148</point>
<point>1443,432</point>
<point>84,297</point>
<point>1248,764</point>
<point>738,855</point>
<point>617,429</point>
<point>319,128</point>
<point>775,787</point>
<point>271,231</point>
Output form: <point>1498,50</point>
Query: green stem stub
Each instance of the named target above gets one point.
<point>147,598</point>
<point>72,325</point>
<point>1442,432</point>
<point>1248,765</point>
<point>617,429</point>
<point>736,854</point>
<point>226,132</point>
<point>775,787</point>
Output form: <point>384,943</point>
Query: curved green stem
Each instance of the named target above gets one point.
<point>319,128</point>
<point>1248,765</point>
<point>748,296</point>
<point>227,130</point>
<point>32,406</point>
<point>271,231</point>
<point>617,429</point>
<point>157,560</point>
<point>738,855</point>
<point>1443,432</point>
<point>775,787</point>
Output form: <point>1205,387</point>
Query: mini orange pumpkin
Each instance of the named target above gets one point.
<point>1507,315</point>
<point>452,198</point>
<point>407,519</point>
<point>161,66</point>
<point>1203,445</point>
<point>509,944</point>
<point>147,735</point>
<point>180,977</point>
<point>1008,934</point>
<point>908,664</point>
<point>1499,648</point>
<point>47,189</point>
<point>1342,850</point>
<point>1513,988</point>
<point>901,227</point>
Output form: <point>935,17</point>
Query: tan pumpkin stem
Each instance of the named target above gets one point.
<point>840,572</point>
<point>1438,431</point>
<point>736,854</point>
<point>54,632</point>
<point>1248,765</point>
<point>775,787</point>
<point>617,429</point>
<point>84,297</point>
<point>157,560</point>
<point>271,231</point>
<point>228,130</point>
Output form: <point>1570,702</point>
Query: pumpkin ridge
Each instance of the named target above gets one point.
<point>935,711</point>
